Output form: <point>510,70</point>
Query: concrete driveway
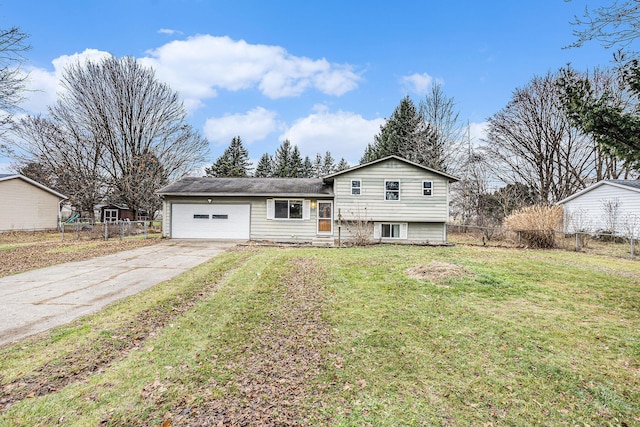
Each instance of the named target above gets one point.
<point>41,299</point>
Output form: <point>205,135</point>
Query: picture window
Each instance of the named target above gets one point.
<point>288,209</point>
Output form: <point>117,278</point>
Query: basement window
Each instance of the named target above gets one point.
<point>391,231</point>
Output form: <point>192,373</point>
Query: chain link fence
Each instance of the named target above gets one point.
<point>86,229</point>
<point>592,243</point>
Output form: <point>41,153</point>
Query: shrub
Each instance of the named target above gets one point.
<point>360,228</point>
<point>536,224</point>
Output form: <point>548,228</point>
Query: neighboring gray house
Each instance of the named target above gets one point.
<point>399,200</point>
<point>27,204</point>
<point>606,206</point>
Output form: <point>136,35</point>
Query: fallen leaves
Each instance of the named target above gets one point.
<point>33,254</point>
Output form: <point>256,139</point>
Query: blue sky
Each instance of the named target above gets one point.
<point>324,74</point>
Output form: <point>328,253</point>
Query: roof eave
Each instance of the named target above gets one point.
<point>190,194</point>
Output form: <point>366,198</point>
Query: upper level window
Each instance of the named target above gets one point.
<point>427,188</point>
<point>356,186</point>
<point>288,209</point>
<point>392,190</point>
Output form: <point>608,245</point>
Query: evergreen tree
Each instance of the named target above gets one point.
<point>297,166</point>
<point>404,134</point>
<point>264,169</point>
<point>328,164</point>
<point>612,120</point>
<point>317,166</point>
<point>307,168</point>
<point>342,165</point>
<point>234,162</point>
<point>282,160</point>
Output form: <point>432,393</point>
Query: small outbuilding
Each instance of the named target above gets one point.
<point>608,206</point>
<point>114,212</point>
<point>27,204</point>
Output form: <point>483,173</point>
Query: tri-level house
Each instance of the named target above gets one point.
<point>393,199</point>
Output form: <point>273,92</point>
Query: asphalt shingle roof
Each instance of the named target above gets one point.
<point>634,183</point>
<point>194,186</point>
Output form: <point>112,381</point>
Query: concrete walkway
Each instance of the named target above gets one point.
<point>41,299</point>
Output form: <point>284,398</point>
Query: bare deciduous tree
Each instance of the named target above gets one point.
<point>532,141</point>
<point>616,24</point>
<point>121,126</point>
<point>442,150</point>
<point>13,46</point>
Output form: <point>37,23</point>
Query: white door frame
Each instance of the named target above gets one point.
<point>318,218</point>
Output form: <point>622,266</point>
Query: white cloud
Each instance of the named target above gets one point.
<point>478,132</point>
<point>418,83</point>
<point>199,66</point>
<point>169,31</point>
<point>43,85</point>
<point>251,126</point>
<point>344,134</point>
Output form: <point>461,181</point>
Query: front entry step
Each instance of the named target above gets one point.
<point>322,241</point>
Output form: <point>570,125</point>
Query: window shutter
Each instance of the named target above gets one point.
<point>306,209</point>
<point>271,208</point>
<point>377,231</point>
<point>403,230</point>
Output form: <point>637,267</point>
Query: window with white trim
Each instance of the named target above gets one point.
<point>427,188</point>
<point>356,187</point>
<point>288,209</point>
<point>390,231</point>
<point>392,190</point>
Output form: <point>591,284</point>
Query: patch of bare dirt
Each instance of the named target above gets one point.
<point>436,271</point>
<point>276,377</point>
<point>24,252</point>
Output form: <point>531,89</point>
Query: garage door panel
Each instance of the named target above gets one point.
<point>198,221</point>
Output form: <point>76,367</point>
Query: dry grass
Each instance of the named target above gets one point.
<point>23,251</point>
<point>537,224</point>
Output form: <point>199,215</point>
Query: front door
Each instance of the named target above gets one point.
<point>325,217</point>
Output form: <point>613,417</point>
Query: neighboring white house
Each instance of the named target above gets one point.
<point>608,206</point>
<point>27,204</point>
<point>399,200</point>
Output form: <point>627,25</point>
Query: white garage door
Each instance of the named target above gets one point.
<point>190,221</point>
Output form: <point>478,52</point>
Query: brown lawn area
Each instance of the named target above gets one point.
<point>23,251</point>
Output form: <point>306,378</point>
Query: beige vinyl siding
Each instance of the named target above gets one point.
<point>412,206</point>
<point>27,207</point>
<point>261,227</point>
<point>427,232</point>
<point>417,232</point>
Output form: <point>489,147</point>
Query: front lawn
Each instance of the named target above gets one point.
<point>387,335</point>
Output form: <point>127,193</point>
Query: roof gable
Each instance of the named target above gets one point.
<point>627,184</point>
<point>7,177</point>
<point>450,178</point>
